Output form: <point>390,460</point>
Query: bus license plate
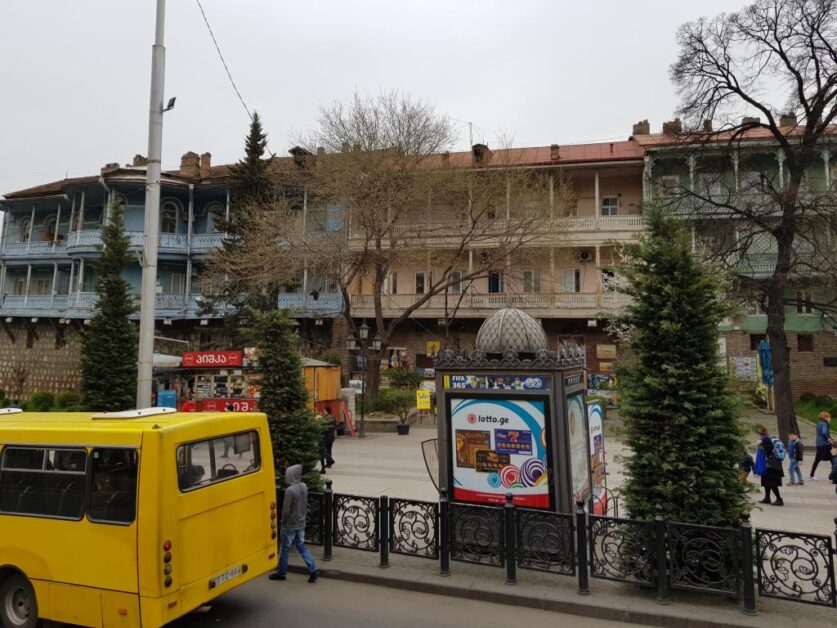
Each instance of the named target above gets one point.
<point>227,576</point>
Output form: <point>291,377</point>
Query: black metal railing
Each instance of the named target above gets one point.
<point>664,555</point>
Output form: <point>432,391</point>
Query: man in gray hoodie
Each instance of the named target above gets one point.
<point>292,525</point>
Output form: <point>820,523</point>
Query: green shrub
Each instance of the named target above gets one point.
<point>40,399</point>
<point>405,378</point>
<point>2,394</point>
<point>68,398</point>
<point>823,401</point>
<point>807,397</point>
<point>398,401</point>
<point>332,357</point>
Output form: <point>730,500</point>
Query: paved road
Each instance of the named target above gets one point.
<point>330,603</point>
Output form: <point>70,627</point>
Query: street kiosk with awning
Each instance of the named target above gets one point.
<point>513,419</point>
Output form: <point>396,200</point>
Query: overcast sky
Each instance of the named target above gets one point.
<point>74,75</point>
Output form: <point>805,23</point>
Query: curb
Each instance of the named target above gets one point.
<point>594,609</point>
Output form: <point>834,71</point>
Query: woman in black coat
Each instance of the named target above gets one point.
<point>771,479</point>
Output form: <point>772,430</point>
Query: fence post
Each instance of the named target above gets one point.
<point>328,521</point>
<point>510,540</point>
<point>661,557</point>
<point>581,548</point>
<point>444,532</point>
<point>747,565</point>
<point>383,526</point>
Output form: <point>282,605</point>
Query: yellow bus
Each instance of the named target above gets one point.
<point>131,518</point>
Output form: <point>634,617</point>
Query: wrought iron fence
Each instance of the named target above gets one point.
<point>414,528</point>
<point>666,555</point>
<point>477,534</point>
<point>704,558</point>
<point>621,549</point>
<point>356,521</point>
<point>545,541</point>
<point>796,567</point>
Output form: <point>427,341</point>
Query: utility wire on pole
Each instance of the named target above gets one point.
<point>152,213</point>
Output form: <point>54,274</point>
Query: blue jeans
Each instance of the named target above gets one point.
<point>295,537</point>
<point>795,472</point>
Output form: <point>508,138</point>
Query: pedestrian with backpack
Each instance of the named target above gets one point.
<point>771,478</point>
<point>795,453</point>
<point>824,442</point>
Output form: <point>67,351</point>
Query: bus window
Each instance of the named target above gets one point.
<point>44,482</point>
<point>113,487</point>
<point>209,461</point>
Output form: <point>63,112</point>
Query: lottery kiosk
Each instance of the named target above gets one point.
<point>512,419</point>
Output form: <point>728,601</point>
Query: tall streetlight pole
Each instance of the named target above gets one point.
<point>152,212</point>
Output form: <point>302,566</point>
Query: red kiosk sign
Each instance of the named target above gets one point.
<point>211,359</point>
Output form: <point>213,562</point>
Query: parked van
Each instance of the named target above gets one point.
<point>132,518</point>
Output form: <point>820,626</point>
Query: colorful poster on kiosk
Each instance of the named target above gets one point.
<point>579,447</point>
<point>500,446</point>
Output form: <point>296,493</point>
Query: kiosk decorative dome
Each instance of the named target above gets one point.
<point>511,330</point>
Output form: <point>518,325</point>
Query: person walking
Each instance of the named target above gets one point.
<point>824,442</point>
<point>833,475</point>
<point>330,435</point>
<point>795,453</point>
<point>292,525</point>
<point>771,453</point>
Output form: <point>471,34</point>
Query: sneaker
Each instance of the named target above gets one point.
<point>314,575</point>
<point>277,576</point>
<point>779,502</point>
<point>765,501</point>
<point>813,479</point>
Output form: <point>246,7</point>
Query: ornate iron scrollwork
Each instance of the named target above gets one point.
<point>414,528</point>
<point>797,567</point>
<point>315,521</point>
<point>704,558</point>
<point>621,549</point>
<point>356,522</point>
<point>545,541</point>
<point>477,534</point>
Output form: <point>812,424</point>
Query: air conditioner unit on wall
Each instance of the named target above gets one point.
<point>585,256</point>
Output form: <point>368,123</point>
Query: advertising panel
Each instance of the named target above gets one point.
<point>579,447</point>
<point>495,382</point>
<point>597,456</point>
<point>220,405</point>
<point>211,359</point>
<point>500,446</point>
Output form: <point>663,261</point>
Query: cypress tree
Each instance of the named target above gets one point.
<point>109,342</point>
<point>294,429</point>
<point>680,416</point>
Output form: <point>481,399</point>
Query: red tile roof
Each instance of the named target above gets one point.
<point>752,135</point>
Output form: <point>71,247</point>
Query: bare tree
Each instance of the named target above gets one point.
<point>775,59</point>
<point>383,192</point>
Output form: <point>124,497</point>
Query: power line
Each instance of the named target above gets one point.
<point>223,61</point>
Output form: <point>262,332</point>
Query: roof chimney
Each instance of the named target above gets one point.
<point>139,160</point>
<point>707,126</point>
<point>481,153</point>
<point>750,120</point>
<point>190,165</point>
<point>206,164</point>
<point>109,167</point>
<point>554,152</point>
<point>642,128</point>
<point>301,156</point>
<point>788,119</point>
<point>673,127</point>
<point>345,147</point>
<point>446,158</point>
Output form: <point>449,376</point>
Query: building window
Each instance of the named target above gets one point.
<point>333,288</point>
<point>42,286</point>
<point>531,281</point>
<point>390,284</point>
<point>456,277</point>
<point>23,230</point>
<point>669,185</point>
<point>755,339</point>
<point>754,308</point>
<point>572,280</point>
<point>495,282</point>
<point>753,182</point>
<point>610,206</point>
<point>215,213</point>
<point>804,303</point>
<point>49,227</point>
<point>20,285</point>
<point>421,282</point>
<point>177,283</point>
<point>804,342</point>
<point>169,217</point>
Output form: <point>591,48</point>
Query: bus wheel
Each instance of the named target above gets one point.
<point>18,607</point>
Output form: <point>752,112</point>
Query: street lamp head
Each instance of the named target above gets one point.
<point>364,330</point>
<point>351,343</point>
<point>376,342</point>
<point>170,104</point>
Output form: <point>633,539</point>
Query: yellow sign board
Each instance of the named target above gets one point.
<point>423,399</point>
<point>433,347</point>
<point>606,351</point>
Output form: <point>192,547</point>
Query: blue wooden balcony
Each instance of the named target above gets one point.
<point>326,305</point>
<point>83,305</point>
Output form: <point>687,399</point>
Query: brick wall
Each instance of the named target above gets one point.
<point>808,374</point>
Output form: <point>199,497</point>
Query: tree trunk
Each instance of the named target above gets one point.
<point>373,373</point>
<point>783,395</point>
